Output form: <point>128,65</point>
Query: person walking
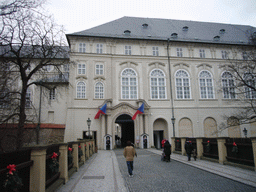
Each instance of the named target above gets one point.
<point>129,153</point>
<point>167,151</point>
<point>188,148</point>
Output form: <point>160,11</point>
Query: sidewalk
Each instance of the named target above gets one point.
<point>100,173</point>
<point>235,173</point>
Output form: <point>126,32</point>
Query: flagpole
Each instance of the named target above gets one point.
<point>173,119</point>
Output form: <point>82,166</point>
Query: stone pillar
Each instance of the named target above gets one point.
<point>37,171</point>
<point>173,143</point>
<point>82,148</point>
<point>253,139</point>
<point>109,125</point>
<point>75,155</point>
<point>141,124</point>
<point>103,133</point>
<point>222,149</point>
<point>87,149</point>
<point>63,162</point>
<point>200,147</point>
<point>183,151</point>
<point>147,131</point>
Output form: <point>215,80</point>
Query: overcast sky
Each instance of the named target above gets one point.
<point>78,15</point>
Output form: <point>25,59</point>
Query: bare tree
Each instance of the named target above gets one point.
<point>30,41</point>
<point>239,82</point>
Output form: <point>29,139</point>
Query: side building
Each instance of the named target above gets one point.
<point>172,66</point>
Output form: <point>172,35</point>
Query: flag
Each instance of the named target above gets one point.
<point>101,111</point>
<point>139,111</point>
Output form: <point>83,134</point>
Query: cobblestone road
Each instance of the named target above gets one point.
<point>152,174</point>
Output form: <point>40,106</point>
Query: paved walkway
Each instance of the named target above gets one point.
<point>106,171</point>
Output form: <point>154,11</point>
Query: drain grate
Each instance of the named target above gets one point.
<point>93,177</point>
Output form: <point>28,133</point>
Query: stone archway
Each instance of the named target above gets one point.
<point>127,128</point>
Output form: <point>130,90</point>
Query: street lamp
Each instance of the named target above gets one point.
<point>173,125</point>
<point>245,132</point>
<point>89,124</point>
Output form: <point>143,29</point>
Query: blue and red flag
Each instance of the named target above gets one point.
<point>139,111</point>
<point>101,111</point>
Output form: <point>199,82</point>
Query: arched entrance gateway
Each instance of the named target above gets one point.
<point>126,126</point>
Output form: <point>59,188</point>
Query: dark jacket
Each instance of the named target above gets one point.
<point>167,148</point>
<point>188,147</point>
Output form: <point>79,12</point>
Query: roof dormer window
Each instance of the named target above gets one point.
<point>185,28</point>
<point>222,31</point>
<point>174,35</point>
<point>145,26</point>
<point>127,32</point>
<point>216,38</point>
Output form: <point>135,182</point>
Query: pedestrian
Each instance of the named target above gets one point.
<point>188,148</point>
<point>194,154</point>
<point>167,151</point>
<point>129,153</point>
<point>163,141</point>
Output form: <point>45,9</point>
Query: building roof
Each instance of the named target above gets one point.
<point>176,30</point>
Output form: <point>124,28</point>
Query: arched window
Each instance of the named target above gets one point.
<point>129,84</point>
<point>206,85</point>
<point>99,90</point>
<point>250,85</point>
<point>228,85</point>
<point>157,84</point>
<point>182,85</point>
<point>80,90</point>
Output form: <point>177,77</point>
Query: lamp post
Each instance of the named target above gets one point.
<point>173,125</point>
<point>89,124</point>
<point>245,132</point>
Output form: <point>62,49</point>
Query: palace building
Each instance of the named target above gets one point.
<point>170,66</point>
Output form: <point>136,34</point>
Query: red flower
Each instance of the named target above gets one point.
<point>208,141</point>
<point>70,149</point>
<point>234,144</point>
<point>178,140</point>
<point>11,168</point>
<point>79,146</point>
<point>54,155</point>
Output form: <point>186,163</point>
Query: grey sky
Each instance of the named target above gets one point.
<point>78,15</point>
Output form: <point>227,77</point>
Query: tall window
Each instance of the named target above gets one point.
<point>202,53</point>
<point>80,90</point>
<point>129,84</point>
<point>99,48</point>
<point>82,47</point>
<point>182,85</point>
<point>81,69</point>
<point>52,93</point>
<point>28,98</point>
<point>155,51</point>
<point>224,54</point>
<point>250,84</point>
<point>179,52</point>
<point>128,50</point>
<point>206,85</point>
<point>99,69</point>
<point>157,84</point>
<point>228,85</point>
<point>99,90</point>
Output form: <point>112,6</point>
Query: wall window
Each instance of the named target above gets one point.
<point>228,85</point>
<point>202,53</point>
<point>81,69</point>
<point>206,85</point>
<point>129,84</point>
<point>52,94</point>
<point>245,55</point>
<point>182,85</point>
<point>128,50</point>
<point>80,90</point>
<point>179,52</point>
<point>157,84</point>
<point>99,48</point>
<point>99,69</point>
<point>28,103</point>
<point>155,51</point>
<point>224,54</point>
<point>99,90</point>
<point>82,47</point>
<point>250,81</point>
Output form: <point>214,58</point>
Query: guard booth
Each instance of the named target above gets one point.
<point>144,141</point>
<point>108,141</point>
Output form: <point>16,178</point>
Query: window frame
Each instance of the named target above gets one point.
<point>128,50</point>
<point>81,69</point>
<point>183,86</point>
<point>28,98</point>
<point>207,91</point>
<point>82,48</point>
<point>227,86</point>
<point>248,90</point>
<point>224,54</point>
<point>201,53</point>
<point>99,48</point>
<point>129,86</point>
<point>98,69</point>
<point>155,51</point>
<point>179,52</point>
<point>52,94</point>
<point>100,93</point>
<point>155,89</point>
<point>80,94</point>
